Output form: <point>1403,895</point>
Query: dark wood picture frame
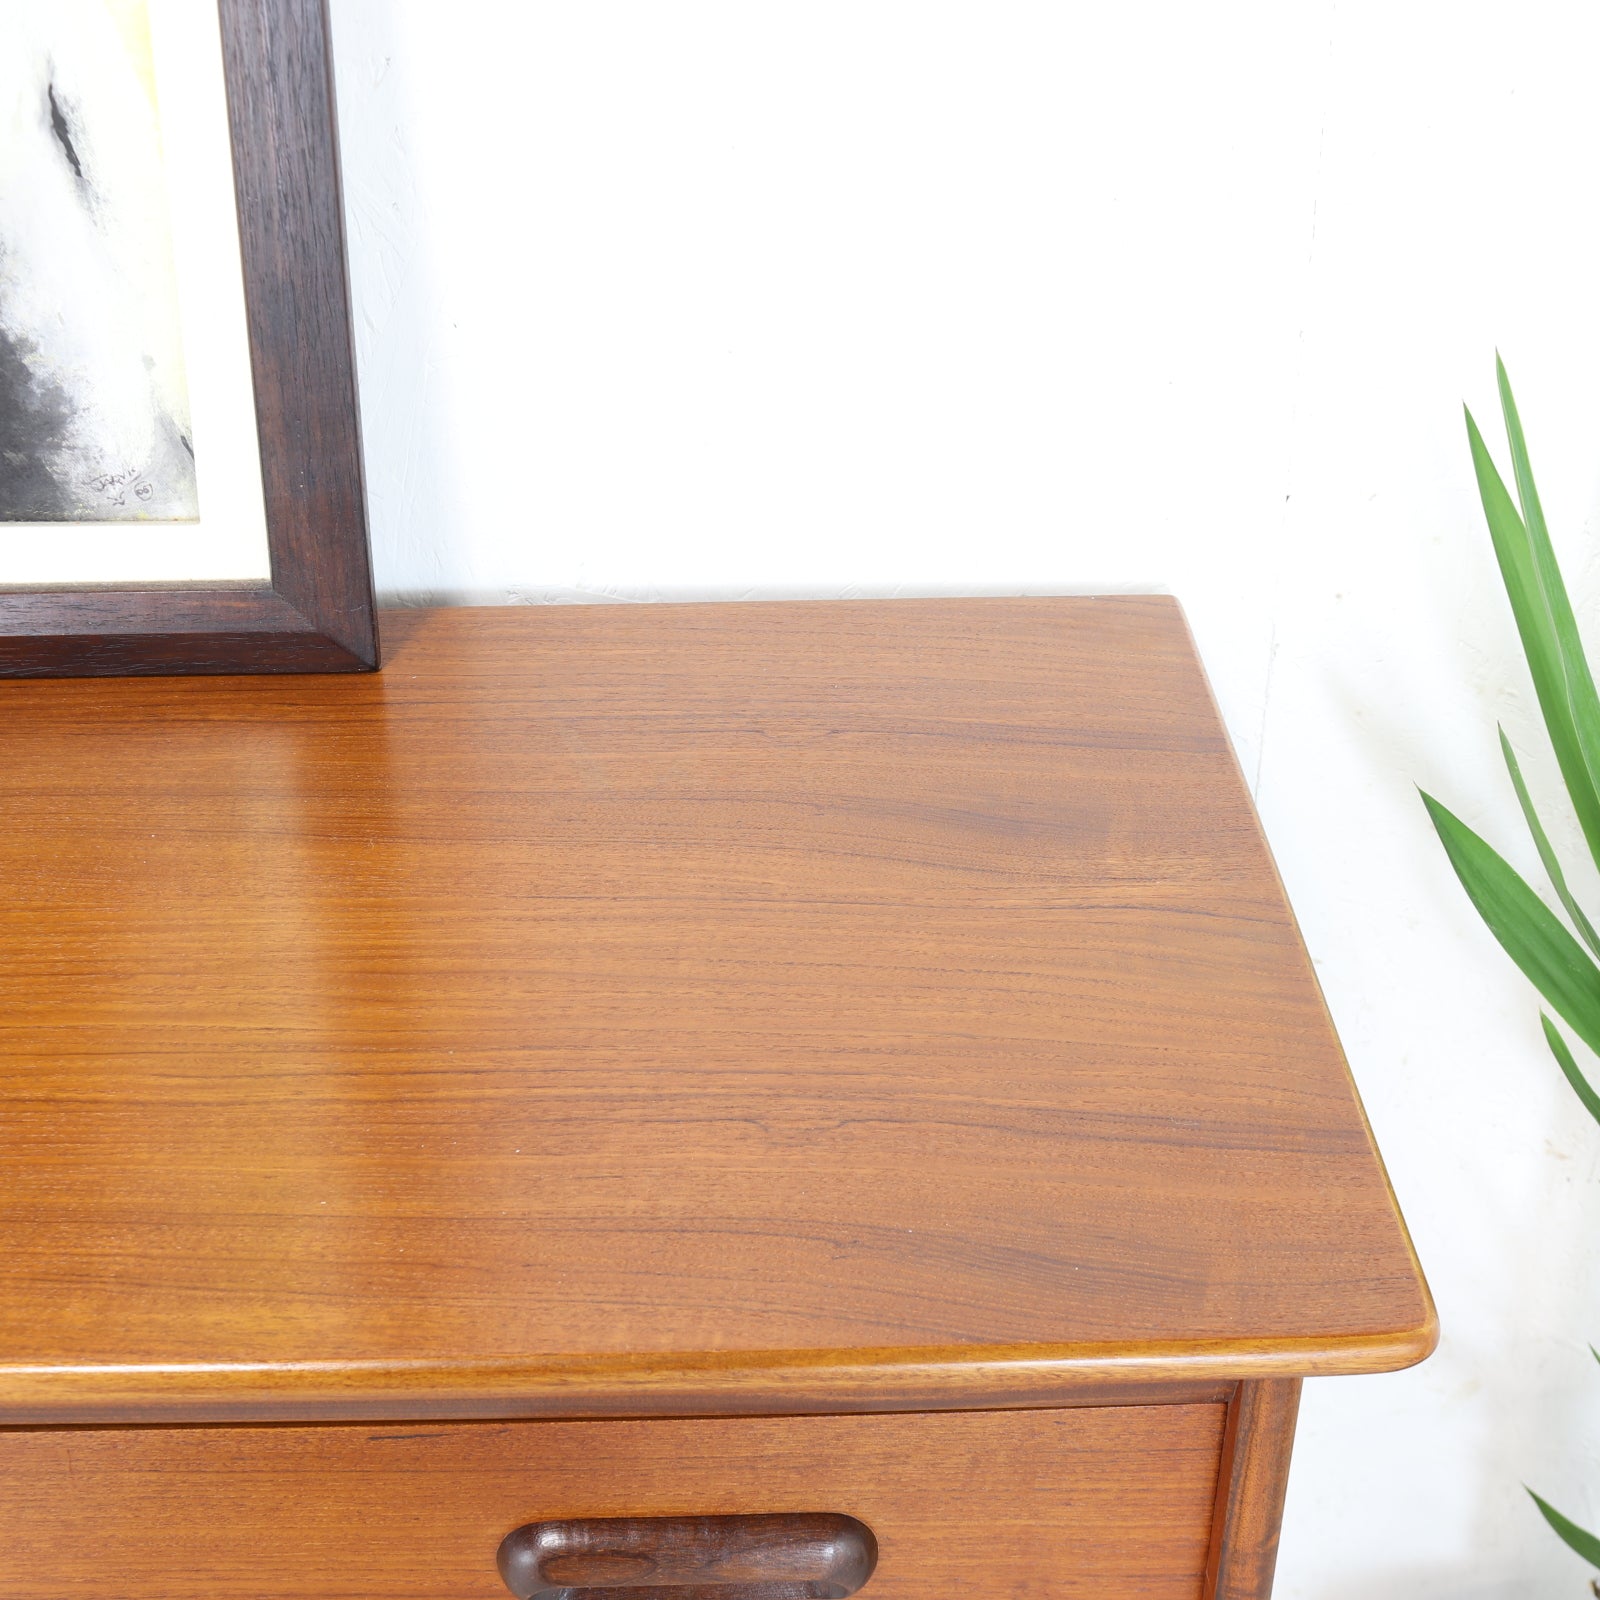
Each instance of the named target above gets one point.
<point>317,612</point>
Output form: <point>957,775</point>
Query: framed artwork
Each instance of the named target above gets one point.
<point>180,454</point>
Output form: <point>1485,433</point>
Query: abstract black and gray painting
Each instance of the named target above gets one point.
<point>94,401</point>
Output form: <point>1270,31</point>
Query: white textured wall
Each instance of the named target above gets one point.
<point>907,297</point>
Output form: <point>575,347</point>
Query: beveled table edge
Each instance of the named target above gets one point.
<point>751,1383</point>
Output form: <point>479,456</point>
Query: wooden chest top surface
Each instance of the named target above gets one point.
<point>608,1010</point>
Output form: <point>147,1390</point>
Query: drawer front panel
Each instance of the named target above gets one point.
<point>1104,1503</point>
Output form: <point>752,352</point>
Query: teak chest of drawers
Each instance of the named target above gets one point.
<point>801,1062</point>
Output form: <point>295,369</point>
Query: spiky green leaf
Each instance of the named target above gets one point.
<point>1528,930</point>
<point>1582,699</point>
<point>1552,863</point>
<point>1583,1542</point>
<point>1527,589</point>
<point>1569,1067</point>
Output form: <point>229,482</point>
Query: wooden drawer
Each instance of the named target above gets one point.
<point>1099,1502</point>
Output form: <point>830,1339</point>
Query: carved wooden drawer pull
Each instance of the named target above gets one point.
<point>796,1556</point>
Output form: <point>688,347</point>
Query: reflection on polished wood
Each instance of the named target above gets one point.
<point>614,1010</point>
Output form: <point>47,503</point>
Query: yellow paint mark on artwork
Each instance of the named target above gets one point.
<point>132,19</point>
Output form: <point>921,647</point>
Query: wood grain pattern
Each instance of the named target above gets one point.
<point>318,613</point>
<point>1102,1504</point>
<point>615,1010</point>
<point>1251,1485</point>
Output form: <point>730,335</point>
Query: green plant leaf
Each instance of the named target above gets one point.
<point>1569,1067</point>
<point>1547,855</point>
<point>1581,695</point>
<point>1527,589</point>
<point>1528,930</point>
<point>1584,1543</point>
